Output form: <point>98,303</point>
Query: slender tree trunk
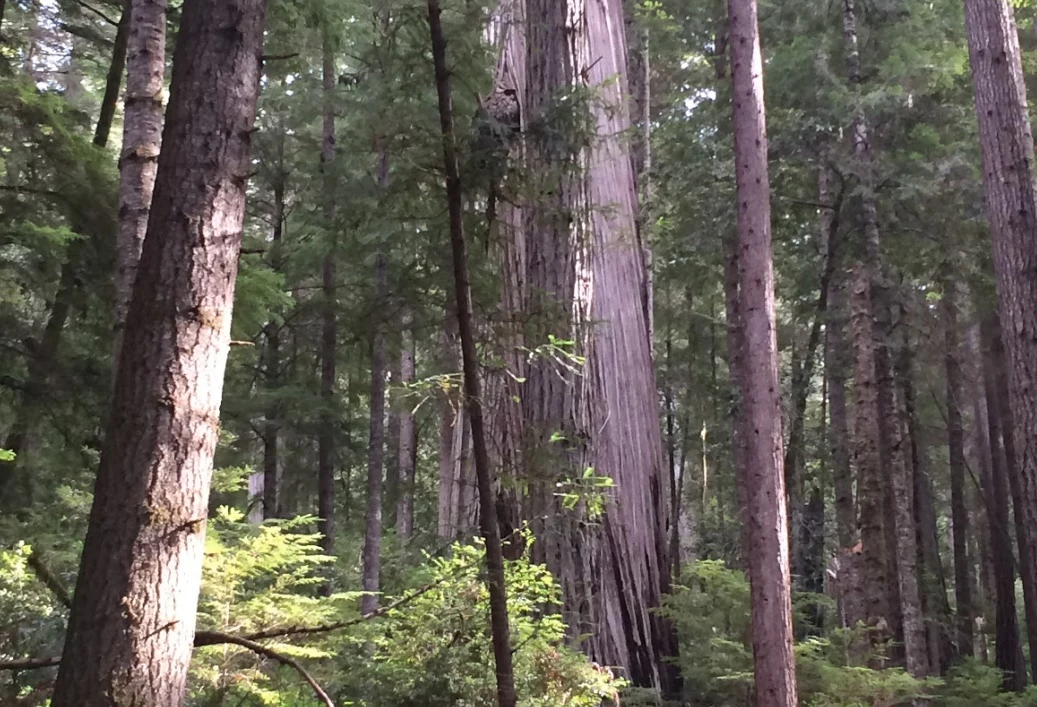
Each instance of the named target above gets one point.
<point>1008,650</point>
<point>329,319</point>
<point>372,555</point>
<point>408,441</point>
<point>838,426</point>
<point>272,364</point>
<point>869,469</point>
<point>131,627</point>
<point>956,453</point>
<point>935,605</point>
<point>916,653</point>
<point>113,80</point>
<point>451,420</point>
<point>487,506</point>
<point>1006,144</point>
<point>775,675</point>
<point>141,142</point>
<point>1026,567</point>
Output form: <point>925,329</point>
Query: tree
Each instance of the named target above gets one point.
<point>764,478</point>
<point>463,300</point>
<point>1006,147</point>
<point>141,143</point>
<point>147,523</point>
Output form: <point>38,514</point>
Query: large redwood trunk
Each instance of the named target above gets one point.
<point>141,141</point>
<point>1007,156</point>
<point>775,675</point>
<point>132,623</point>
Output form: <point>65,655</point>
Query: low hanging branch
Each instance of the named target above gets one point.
<point>249,641</point>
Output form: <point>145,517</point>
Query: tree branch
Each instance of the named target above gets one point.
<point>215,638</point>
<point>48,578</point>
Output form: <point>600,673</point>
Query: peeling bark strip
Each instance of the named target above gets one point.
<point>775,675</point>
<point>132,622</point>
<point>1006,144</point>
<point>141,141</point>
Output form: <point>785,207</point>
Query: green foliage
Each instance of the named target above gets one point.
<point>973,683</point>
<point>712,616</point>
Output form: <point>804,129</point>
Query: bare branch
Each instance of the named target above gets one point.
<point>48,578</point>
<point>215,638</point>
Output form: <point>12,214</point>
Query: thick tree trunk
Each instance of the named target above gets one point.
<point>956,453</point>
<point>1006,144</point>
<point>141,142</point>
<point>329,320</point>
<point>132,623</point>
<point>463,294</point>
<point>775,676</point>
<point>407,447</point>
<point>623,408</point>
<point>1008,653</point>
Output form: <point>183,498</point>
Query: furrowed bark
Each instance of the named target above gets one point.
<point>132,622</point>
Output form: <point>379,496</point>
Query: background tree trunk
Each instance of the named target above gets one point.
<point>775,675</point>
<point>408,439</point>
<point>141,142</point>
<point>132,623</point>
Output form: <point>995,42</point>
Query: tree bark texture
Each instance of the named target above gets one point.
<point>463,293</point>
<point>1006,145</point>
<point>775,676</point>
<point>141,142</point>
<point>866,452</point>
<point>623,402</point>
<point>132,622</point>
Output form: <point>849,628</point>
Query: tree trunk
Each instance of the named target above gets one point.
<point>916,654</point>
<point>408,441</point>
<point>775,676</point>
<point>881,324</point>
<point>1006,144</point>
<point>869,469</point>
<point>141,142</point>
<point>329,319</point>
<point>272,364</point>
<point>372,555</point>
<point>1008,652</point>
<point>113,80</point>
<point>623,398</point>
<point>1026,568</point>
<point>451,423</point>
<point>463,296</point>
<point>132,622</point>
<point>956,453</point>
<point>838,425</point>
